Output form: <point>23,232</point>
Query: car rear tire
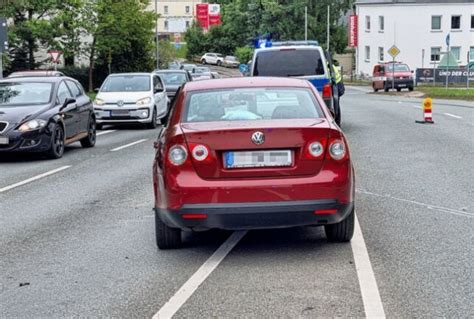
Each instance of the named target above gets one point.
<point>342,231</point>
<point>56,149</point>
<point>219,63</point>
<point>399,89</point>
<point>166,237</point>
<point>152,125</point>
<point>90,139</point>
<point>203,61</point>
<point>410,88</point>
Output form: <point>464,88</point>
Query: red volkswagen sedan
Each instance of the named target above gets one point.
<point>251,153</point>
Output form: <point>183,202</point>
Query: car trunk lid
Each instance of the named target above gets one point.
<point>280,135</point>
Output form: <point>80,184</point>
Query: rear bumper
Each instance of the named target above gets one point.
<point>260,215</point>
<point>399,83</point>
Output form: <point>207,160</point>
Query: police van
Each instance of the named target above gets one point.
<point>299,59</point>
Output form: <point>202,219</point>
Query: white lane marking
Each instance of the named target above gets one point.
<point>368,285</point>
<point>452,115</point>
<point>429,206</point>
<point>128,145</point>
<point>32,179</point>
<point>105,132</point>
<point>193,283</point>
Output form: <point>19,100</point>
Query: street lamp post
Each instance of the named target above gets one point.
<point>157,37</point>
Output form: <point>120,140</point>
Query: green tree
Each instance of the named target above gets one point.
<point>122,36</point>
<point>42,23</point>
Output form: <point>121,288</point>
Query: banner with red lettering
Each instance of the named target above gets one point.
<point>353,31</point>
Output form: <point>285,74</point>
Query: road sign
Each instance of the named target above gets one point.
<point>393,51</point>
<point>55,55</point>
<point>448,39</point>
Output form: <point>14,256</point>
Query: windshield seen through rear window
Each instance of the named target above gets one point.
<point>289,62</point>
<point>128,83</point>
<point>397,67</point>
<point>251,105</point>
<point>25,93</point>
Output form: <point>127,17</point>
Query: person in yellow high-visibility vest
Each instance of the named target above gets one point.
<point>340,85</point>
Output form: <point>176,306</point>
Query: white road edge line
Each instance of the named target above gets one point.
<point>105,132</point>
<point>128,145</point>
<point>452,115</point>
<point>193,283</point>
<point>32,179</point>
<point>368,285</point>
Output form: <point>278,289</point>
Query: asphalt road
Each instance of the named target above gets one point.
<point>80,242</point>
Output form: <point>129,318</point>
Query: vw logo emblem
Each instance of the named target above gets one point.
<point>258,138</point>
<point>120,103</point>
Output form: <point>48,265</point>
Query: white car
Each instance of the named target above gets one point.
<point>131,98</point>
<point>212,58</point>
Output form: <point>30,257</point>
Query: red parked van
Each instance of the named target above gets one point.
<point>390,75</point>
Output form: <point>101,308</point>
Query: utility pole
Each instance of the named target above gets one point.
<point>448,41</point>
<point>327,31</point>
<point>157,37</point>
<point>306,23</point>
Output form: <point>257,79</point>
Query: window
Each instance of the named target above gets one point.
<point>367,53</point>
<point>472,22</point>
<point>187,9</point>
<point>288,63</point>
<point>187,24</point>
<point>63,93</point>
<point>381,54</point>
<point>250,104</point>
<point>381,23</point>
<point>456,52</point>
<point>435,52</point>
<point>166,10</point>
<point>455,22</point>
<point>74,89</point>
<point>435,22</point>
<point>126,83</point>
<point>367,23</point>
<point>471,54</point>
<point>157,86</point>
<point>166,25</point>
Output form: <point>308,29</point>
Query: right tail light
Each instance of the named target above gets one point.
<point>337,149</point>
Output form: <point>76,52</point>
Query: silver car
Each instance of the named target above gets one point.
<point>131,98</point>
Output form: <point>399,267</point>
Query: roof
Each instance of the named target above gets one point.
<point>130,74</point>
<point>246,82</point>
<point>172,71</point>
<point>289,47</point>
<point>390,2</point>
<point>42,79</point>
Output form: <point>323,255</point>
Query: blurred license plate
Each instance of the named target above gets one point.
<point>4,140</point>
<point>119,113</point>
<point>402,85</point>
<point>276,158</point>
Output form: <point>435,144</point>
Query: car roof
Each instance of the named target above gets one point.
<point>289,47</point>
<point>42,79</point>
<point>172,71</point>
<point>131,73</point>
<point>245,82</point>
<point>35,73</point>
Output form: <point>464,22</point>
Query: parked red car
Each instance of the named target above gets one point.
<point>392,75</point>
<point>251,153</point>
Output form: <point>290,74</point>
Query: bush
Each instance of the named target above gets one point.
<point>244,54</point>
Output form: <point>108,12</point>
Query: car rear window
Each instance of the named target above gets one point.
<point>251,104</point>
<point>289,62</point>
<point>126,83</point>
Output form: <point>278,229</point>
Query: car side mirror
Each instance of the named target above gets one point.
<point>412,71</point>
<point>158,90</point>
<point>67,102</point>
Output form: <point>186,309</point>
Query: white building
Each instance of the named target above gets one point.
<point>176,16</point>
<point>417,27</point>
